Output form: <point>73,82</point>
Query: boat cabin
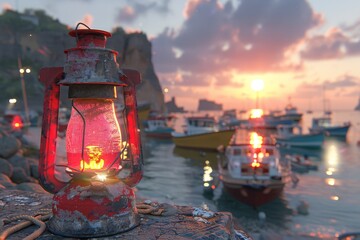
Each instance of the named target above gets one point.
<point>247,162</point>
<point>288,130</point>
<point>157,122</point>
<point>321,122</point>
<point>196,125</point>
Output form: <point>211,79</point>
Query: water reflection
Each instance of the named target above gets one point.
<point>177,175</point>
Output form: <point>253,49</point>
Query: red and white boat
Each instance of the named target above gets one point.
<point>251,171</point>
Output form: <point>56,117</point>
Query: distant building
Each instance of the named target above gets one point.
<point>172,107</point>
<point>206,105</point>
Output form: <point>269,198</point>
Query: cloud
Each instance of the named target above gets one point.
<point>250,37</point>
<point>336,43</point>
<point>341,86</point>
<point>7,6</point>
<point>129,13</point>
<point>87,19</point>
<point>345,81</point>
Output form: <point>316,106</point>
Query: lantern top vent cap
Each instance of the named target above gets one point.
<point>90,37</point>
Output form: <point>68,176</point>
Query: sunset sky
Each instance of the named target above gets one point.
<point>213,49</point>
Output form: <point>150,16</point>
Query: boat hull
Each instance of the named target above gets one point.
<point>304,141</point>
<point>206,141</point>
<point>161,133</point>
<point>340,131</point>
<point>254,193</point>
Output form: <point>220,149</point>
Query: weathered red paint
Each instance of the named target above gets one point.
<point>50,78</point>
<point>133,79</point>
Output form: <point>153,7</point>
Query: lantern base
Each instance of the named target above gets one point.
<point>87,208</point>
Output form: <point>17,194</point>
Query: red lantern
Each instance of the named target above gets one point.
<point>96,201</point>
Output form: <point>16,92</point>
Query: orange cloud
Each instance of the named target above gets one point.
<point>6,6</point>
<point>87,20</point>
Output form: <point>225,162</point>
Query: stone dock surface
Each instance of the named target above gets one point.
<point>177,222</point>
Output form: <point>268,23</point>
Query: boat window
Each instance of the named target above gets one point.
<point>270,151</point>
<point>237,151</point>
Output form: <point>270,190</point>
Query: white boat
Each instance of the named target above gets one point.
<point>292,136</point>
<point>324,125</point>
<point>158,126</point>
<point>202,133</point>
<point>251,171</point>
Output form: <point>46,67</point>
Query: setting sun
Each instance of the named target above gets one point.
<point>257,85</point>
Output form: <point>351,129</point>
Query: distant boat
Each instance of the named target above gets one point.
<point>259,121</point>
<point>159,126</point>
<point>357,108</point>
<point>324,125</point>
<point>292,136</point>
<point>202,133</point>
<point>301,164</point>
<point>251,172</point>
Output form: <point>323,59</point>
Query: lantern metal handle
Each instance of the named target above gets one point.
<point>50,78</point>
<point>132,79</point>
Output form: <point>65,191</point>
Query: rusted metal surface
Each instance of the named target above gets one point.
<point>50,78</point>
<point>91,65</point>
<point>93,208</point>
<point>90,62</point>
<point>92,91</point>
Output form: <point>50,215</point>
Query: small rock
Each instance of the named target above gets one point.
<point>198,212</point>
<point>19,176</point>
<point>21,162</point>
<point>6,181</point>
<point>148,202</point>
<point>199,219</point>
<point>6,168</point>
<point>30,187</point>
<point>9,145</point>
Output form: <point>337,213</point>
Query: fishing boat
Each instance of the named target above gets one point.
<point>202,133</point>
<point>257,120</point>
<point>324,125</point>
<point>251,171</point>
<point>292,136</point>
<point>158,126</point>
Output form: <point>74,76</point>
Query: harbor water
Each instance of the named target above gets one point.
<point>323,204</point>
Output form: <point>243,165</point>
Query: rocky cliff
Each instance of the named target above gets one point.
<point>39,41</point>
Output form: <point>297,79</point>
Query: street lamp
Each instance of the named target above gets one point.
<point>23,88</point>
<point>257,85</point>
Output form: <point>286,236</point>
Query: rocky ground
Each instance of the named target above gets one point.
<point>19,161</point>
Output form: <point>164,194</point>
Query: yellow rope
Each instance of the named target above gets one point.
<point>38,220</point>
<point>148,209</point>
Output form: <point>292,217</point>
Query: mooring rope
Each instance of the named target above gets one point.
<point>38,220</point>
<point>144,208</point>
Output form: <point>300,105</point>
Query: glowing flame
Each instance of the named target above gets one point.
<point>256,140</point>
<point>95,160</point>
